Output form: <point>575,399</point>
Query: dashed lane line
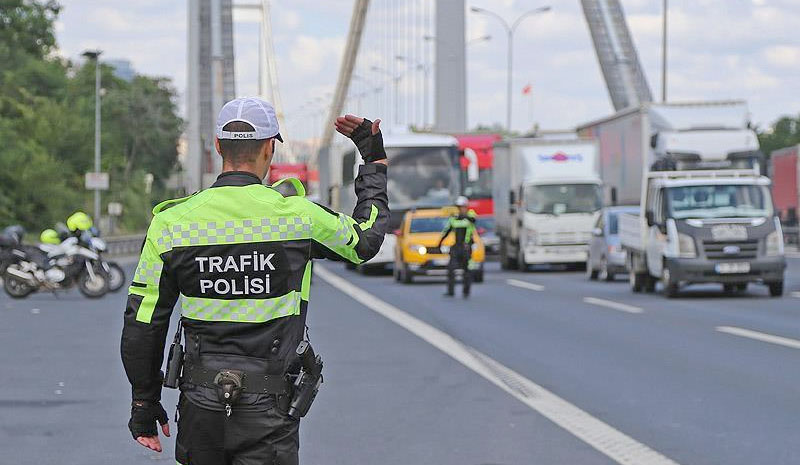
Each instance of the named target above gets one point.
<point>615,444</point>
<point>759,336</point>
<point>613,305</point>
<point>525,284</point>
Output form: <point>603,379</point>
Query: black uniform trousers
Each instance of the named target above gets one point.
<point>459,260</point>
<point>208,437</point>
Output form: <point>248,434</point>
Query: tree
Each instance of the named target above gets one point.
<point>783,133</point>
<point>27,28</point>
<point>47,127</point>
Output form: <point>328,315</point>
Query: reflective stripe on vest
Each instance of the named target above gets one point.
<point>241,310</point>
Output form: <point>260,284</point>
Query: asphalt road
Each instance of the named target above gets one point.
<point>702,379</point>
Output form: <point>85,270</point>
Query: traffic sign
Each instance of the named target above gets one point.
<point>97,181</point>
<point>114,208</point>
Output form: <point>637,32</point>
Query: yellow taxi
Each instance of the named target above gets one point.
<point>417,252</point>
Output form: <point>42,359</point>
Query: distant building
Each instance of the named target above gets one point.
<point>123,69</point>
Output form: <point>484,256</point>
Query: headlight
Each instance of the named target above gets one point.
<point>686,247</point>
<point>774,244</point>
<point>420,249</point>
<point>444,249</point>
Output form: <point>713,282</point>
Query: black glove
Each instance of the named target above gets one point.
<point>144,415</point>
<point>370,145</point>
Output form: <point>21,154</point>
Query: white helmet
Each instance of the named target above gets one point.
<point>462,201</point>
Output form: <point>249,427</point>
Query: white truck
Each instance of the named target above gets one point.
<point>547,194</point>
<point>704,226</point>
<point>712,134</point>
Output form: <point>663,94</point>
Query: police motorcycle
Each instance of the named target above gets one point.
<point>53,267</point>
<point>91,240</point>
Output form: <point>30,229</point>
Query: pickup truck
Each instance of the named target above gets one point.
<point>704,227</point>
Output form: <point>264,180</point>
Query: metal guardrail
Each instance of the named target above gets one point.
<point>124,245</point>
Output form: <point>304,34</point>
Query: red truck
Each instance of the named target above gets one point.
<point>476,152</point>
<point>785,186</point>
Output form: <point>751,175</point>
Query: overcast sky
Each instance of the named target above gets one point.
<point>719,49</point>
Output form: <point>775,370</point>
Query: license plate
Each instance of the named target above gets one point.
<point>731,268</point>
<point>729,232</point>
<point>440,261</point>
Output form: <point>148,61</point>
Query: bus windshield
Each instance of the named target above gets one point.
<point>719,201</point>
<point>422,176</point>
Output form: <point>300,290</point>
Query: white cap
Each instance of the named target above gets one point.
<point>253,111</point>
<point>462,201</point>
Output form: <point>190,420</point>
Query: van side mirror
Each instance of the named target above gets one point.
<point>653,141</point>
<point>649,217</point>
<point>512,198</point>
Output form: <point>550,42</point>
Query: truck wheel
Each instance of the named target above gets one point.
<point>670,286</point>
<point>505,261</point>
<point>636,281</point>
<point>649,284</point>
<point>775,288</point>
<point>521,265</point>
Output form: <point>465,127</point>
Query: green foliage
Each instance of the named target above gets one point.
<point>783,133</point>
<point>47,128</point>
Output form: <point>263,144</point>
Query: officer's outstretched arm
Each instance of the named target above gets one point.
<point>355,238</point>
<point>151,298</point>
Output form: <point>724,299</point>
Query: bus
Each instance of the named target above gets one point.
<point>424,172</point>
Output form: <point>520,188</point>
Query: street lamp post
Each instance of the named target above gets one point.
<point>95,56</point>
<point>510,32</point>
<point>664,54</point>
<point>395,91</point>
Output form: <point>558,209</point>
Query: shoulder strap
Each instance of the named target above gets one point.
<point>170,203</point>
<point>300,191</point>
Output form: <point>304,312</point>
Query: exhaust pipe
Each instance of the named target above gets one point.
<point>21,274</point>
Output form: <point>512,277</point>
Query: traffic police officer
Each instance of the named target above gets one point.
<point>462,225</point>
<point>239,254</point>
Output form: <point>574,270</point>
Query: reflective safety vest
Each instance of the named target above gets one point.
<point>463,226</point>
<point>239,257</point>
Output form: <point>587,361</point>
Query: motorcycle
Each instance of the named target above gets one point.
<point>55,267</point>
<point>116,275</point>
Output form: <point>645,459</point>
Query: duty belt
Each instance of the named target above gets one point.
<point>253,383</point>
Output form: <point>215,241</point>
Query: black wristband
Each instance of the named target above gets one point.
<point>370,145</point>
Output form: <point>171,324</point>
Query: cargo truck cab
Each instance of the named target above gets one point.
<point>547,196</point>
<point>556,221</point>
<point>704,227</point>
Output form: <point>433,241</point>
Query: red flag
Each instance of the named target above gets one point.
<point>527,90</point>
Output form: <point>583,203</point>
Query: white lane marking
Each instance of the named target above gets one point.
<point>525,284</point>
<point>613,305</point>
<point>796,294</point>
<point>759,336</point>
<point>606,439</point>
<point>792,254</point>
